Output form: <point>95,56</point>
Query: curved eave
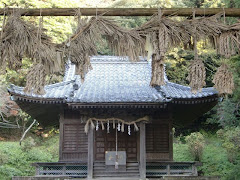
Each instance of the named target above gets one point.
<point>185,112</point>
<point>200,100</point>
<point>55,93</point>
<point>46,114</point>
<point>177,92</point>
<point>160,105</point>
<point>18,97</point>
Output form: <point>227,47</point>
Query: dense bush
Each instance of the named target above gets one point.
<point>214,158</point>
<point>231,142</point>
<point>215,161</point>
<point>196,143</point>
<point>15,160</point>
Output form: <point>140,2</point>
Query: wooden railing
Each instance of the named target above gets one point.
<point>153,169</point>
<point>71,169</point>
<point>170,168</point>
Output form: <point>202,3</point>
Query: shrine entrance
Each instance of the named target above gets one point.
<point>106,141</point>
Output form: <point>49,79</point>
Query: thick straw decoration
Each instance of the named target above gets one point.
<point>228,42</point>
<point>122,41</point>
<point>223,80</point>
<point>21,39</point>
<point>196,75</point>
<point>197,71</point>
<point>204,27</point>
<point>36,79</point>
<point>163,33</point>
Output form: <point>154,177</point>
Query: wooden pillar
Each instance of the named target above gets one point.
<point>61,120</point>
<point>90,153</point>
<point>142,168</point>
<point>170,135</point>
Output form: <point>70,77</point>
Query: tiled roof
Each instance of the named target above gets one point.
<point>59,91</point>
<point>114,79</point>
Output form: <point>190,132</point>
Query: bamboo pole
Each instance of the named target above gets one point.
<point>233,12</point>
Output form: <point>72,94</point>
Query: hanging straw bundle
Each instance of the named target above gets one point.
<point>204,27</point>
<point>15,41</point>
<point>23,39</point>
<point>228,42</point>
<point>122,41</point>
<point>83,43</point>
<point>36,79</point>
<point>161,34</point>
<point>80,46</point>
<point>197,71</point>
<point>196,75</point>
<point>223,80</point>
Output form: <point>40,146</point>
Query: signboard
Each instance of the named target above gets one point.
<point>110,157</point>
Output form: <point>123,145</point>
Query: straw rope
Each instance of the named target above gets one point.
<point>91,124</point>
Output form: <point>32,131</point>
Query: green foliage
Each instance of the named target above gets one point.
<point>231,142</point>
<point>196,143</point>
<point>234,172</point>
<point>228,114</point>
<point>177,61</point>
<point>214,158</point>
<point>145,4</point>
<point>28,144</point>
<point>6,172</point>
<point>215,161</point>
<point>3,158</point>
<point>204,3</point>
<point>235,67</point>
<point>16,160</point>
<point>181,153</point>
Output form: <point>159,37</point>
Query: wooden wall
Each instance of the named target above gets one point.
<point>74,141</point>
<point>159,138</point>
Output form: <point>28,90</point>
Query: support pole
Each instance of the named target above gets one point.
<point>232,12</point>
<point>142,168</point>
<point>90,153</point>
<point>61,122</point>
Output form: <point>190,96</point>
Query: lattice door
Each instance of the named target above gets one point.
<point>107,142</point>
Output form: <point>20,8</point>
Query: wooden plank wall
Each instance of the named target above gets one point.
<point>159,139</point>
<point>73,140</point>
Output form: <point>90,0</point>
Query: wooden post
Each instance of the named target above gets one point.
<point>90,153</point>
<point>170,135</point>
<point>64,170</point>
<point>142,167</point>
<point>61,120</point>
<point>168,169</point>
<point>194,170</point>
<point>232,12</point>
<point>37,170</point>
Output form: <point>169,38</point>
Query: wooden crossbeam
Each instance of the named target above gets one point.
<point>233,12</point>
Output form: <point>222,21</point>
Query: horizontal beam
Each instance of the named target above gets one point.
<point>233,12</point>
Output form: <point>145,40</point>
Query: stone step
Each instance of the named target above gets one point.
<point>117,171</point>
<point>117,175</point>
